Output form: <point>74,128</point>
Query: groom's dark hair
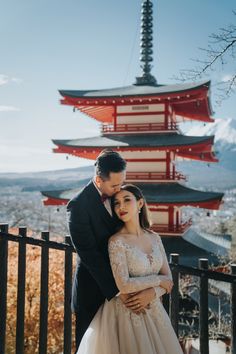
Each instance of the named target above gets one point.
<point>109,161</point>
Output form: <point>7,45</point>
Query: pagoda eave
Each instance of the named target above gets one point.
<point>213,204</point>
<point>156,194</point>
<point>196,151</point>
<point>192,103</point>
<point>54,201</point>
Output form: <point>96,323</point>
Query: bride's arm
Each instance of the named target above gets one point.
<point>165,269</point>
<point>125,283</point>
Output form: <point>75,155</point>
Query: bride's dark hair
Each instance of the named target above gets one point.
<point>144,219</point>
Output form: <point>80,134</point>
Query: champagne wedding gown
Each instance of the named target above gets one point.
<point>117,330</point>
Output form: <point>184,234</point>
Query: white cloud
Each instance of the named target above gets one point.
<point>227,77</point>
<point>3,79</point>
<point>17,80</point>
<point>9,109</point>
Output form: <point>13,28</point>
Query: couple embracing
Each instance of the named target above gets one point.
<point>122,270</point>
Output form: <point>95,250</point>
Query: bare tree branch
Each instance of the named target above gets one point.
<point>221,51</point>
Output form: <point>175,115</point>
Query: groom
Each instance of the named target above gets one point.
<point>91,224</point>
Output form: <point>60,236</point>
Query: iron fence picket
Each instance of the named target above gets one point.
<point>67,298</point>
<point>3,286</point>
<point>233,311</point>
<point>20,318</point>
<point>174,296</point>
<point>203,309</point>
<point>43,324</point>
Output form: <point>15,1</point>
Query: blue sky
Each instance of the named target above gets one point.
<point>76,44</point>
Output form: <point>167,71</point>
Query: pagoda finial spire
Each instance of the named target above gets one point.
<point>146,45</point>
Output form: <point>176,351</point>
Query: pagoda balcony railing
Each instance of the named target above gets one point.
<point>172,229</point>
<point>17,337</point>
<point>155,176</point>
<point>142,127</point>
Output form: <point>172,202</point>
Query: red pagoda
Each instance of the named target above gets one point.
<point>141,122</point>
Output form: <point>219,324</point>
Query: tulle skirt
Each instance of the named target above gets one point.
<point>116,330</point>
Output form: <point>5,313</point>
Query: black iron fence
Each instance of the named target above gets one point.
<point>45,244</point>
<point>204,274</point>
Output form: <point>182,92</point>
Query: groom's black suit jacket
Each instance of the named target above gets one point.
<point>90,227</point>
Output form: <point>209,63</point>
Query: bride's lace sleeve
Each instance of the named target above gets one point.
<point>125,283</point>
<point>165,269</point>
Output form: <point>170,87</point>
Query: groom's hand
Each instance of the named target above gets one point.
<point>139,301</point>
<point>124,297</point>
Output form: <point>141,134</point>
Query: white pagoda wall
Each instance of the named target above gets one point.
<point>160,217</point>
<point>163,218</point>
<point>158,113</point>
<point>146,167</point>
<point>143,155</point>
<point>140,119</point>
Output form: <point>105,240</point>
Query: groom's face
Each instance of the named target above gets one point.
<point>111,185</point>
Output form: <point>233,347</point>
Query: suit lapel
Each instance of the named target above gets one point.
<point>97,205</point>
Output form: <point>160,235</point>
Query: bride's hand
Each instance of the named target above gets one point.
<point>167,284</point>
<point>138,302</point>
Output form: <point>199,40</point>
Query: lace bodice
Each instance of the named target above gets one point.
<point>133,269</point>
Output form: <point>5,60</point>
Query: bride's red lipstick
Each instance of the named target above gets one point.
<point>123,213</point>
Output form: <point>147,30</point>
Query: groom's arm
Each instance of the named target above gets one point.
<point>83,239</point>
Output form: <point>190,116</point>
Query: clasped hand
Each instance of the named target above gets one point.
<point>138,302</point>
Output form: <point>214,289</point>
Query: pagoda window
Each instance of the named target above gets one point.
<point>141,108</point>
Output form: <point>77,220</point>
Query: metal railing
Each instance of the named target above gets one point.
<point>157,176</point>
<point>45,244</point>
<point>172,229</point>
<point>204,275</point>
<point>138,127</point>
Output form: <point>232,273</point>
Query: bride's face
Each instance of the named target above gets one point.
<point>126,206</point>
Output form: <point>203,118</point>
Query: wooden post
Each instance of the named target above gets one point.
<point>3,287</point>
<point>21,291</point>
<point>203,311</point>
<point>233,311</point>
<point>43,326</point>
<point>174,296</point>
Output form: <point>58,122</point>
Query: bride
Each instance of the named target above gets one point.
<point>138,262</point>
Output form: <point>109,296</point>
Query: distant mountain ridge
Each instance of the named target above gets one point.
<point>223,129</point>
<point>47,180</point>
<point>223,173</point>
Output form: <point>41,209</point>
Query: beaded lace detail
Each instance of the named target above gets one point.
<point>133,269</point>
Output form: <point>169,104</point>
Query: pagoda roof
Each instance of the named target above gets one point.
<point>155,194</point>
<point>192,246</point>
<point>135,90</point>
<point>194,147</point>
<point>189,100</point>
<point>137,140</point>
<point>218,245</point>
<point>59,197</point>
